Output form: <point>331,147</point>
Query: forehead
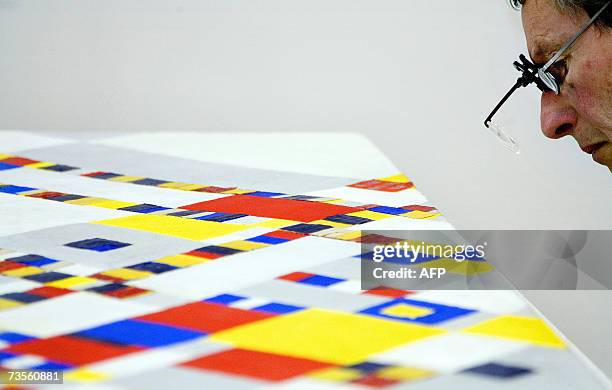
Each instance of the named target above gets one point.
<point>546,28</point>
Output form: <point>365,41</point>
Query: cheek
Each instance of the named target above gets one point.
<point>591,92</point>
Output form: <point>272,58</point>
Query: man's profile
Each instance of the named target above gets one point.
<point>582,108</point>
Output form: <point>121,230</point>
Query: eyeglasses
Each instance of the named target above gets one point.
<point>540,76</point>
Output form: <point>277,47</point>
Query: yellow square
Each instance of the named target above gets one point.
<point>396,179</point>
<point>324,335</point>
<point>40,164</point>
<point>370,215</point>
<point>112,204</point>
<point>404,310</point>
<point>180,186</point>
<point>24,271</point>
<point>127,274</point>
<point>417,214</point>
<point>337,374</point>
<point>85,375</point>
<point>181,260</point>
<point>244,245</point>
<point>347,235</point>
<point>8,304</point>
<point>403,373</point>
<point>86,201</point>
<point>191,229</point>
<point>72,282</point>
<point>530,330</point>
<point>462,268</point>
<point>5,156</point>
<point>127,179</point>
<point>237,191</point>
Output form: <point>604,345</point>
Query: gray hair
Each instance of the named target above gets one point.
<point>572,6</point>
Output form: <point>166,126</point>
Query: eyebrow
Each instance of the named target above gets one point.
<point>543,49</point>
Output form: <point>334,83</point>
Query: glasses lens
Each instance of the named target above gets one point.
<point>505,138</point>
<point>549,80</point>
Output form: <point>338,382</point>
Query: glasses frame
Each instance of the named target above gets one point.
<point>540,76</point>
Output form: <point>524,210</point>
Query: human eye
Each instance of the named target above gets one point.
<point>559,70</point>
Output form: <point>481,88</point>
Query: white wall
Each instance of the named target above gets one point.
<point>418,77</point>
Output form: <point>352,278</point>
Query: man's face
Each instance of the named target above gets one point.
<point>583,109</point>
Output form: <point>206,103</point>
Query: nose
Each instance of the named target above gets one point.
<point>557,117</point>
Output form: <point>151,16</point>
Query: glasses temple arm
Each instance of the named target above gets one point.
<point>574,38</point>
<point>519,83</point>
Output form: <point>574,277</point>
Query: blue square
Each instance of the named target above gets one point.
<point>220,217</point>
<point>107,288</point>
<point>149,182</point>
<point>267,240</point>
<point>225,299</point>
<point>306,228</point>
<point>6,355</point>
<point>278,308</point>
<point>65,198</point>
<point>98,244</point>
<point>389,210</point>
<point>47,277</point>
<point>12,338</point>
<point>220,250</point>
<point>320,280</point>
<point>23,297</point>
<point>368,366</point>
<point>440,313</point>
<point>15,189</point>
<point>139,333</point>
<point>348,219</point>
<point>156,268</point>
<point>498,370</point>
<point>33,260</point>
<point>144,208</point>
<point>60,168</point>
<point>106,175</point>
<point>184,213</point>
<point>5,166</point>
<point>301,197</point>
<point>51,366</point>
<point>264,194</point>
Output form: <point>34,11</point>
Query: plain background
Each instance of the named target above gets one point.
<point>416,77</point>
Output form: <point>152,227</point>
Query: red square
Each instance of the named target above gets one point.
<point>294,210</point>
<point>296,276</point>
<point>93,174</point>
<point>21,161</point>
<point>376,239</point>
<point>285,235</point>
<point>388,292</point>
<point>380,185</point>
<point>9,265</point>
<point>49,292</point>
<point>47,195</point>
<point>214,189</point>
<point>419,208</point>
<point>128,291</point>
<point>375,381</point>
<point>205,255</point>
<point>71,350</point>
<point>204,316</point>
<point>107,277</point>
<point>254,364</point>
